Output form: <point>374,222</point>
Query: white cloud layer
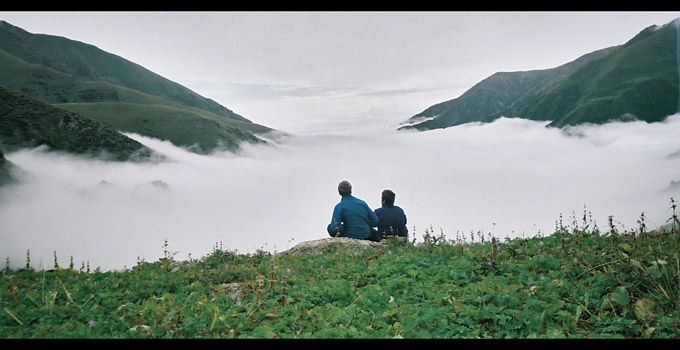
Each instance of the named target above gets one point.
<point>510,177</point>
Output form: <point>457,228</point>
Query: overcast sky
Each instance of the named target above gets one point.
<point>243,58</point>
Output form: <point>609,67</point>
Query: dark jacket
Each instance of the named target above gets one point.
<point>391,221</point>
<point>352,218</point>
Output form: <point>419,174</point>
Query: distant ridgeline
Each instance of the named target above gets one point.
<point>103,92</point>
<point>635,81</point>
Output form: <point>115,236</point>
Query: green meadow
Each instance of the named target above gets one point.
<point>581,281</point>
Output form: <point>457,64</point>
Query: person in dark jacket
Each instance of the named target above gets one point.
<point>391,218</point>
<point>352,217</point>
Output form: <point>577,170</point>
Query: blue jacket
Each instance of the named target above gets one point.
<point>391,221</point>
<point>352,218</point>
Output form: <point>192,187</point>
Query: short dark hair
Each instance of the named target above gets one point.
<point>344,188</point>
<point>388,196</point>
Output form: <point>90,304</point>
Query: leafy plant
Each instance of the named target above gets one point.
<point>576,283</point>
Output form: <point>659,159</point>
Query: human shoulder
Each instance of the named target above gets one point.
<point>346,199</point>
<point>359,201</point>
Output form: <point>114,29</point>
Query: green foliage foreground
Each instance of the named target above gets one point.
<point>571,284</point>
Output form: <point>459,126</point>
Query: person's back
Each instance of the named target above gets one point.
<point>391,218</point>
<point>352,217</point>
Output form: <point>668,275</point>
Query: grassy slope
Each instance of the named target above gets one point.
<point>27,122</point>
<point>73,74</point>
<point>482,102</point>
<point>575,284</point>
<point>89,63</point>
<point>492,97</point>
<point>638,80</point>
<point>129,110</point>
<point>183,126</point>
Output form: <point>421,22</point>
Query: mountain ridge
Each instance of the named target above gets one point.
<point>71,74</point>
<point>637,80</point>
<point>92,63</point>
<point>28,123</point>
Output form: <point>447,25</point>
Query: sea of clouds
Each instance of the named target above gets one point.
<point>510,178</point>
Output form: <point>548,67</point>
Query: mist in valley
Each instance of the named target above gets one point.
<point>511,178</point>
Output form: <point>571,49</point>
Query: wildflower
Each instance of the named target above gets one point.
<point>92,323</point>
<point>289,270</point>
<point>540,243</point>
<point>235,296</point>
<point>142,328</point>
<point>532,290</point>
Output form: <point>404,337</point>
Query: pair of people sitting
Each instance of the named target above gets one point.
<point>353,218</point>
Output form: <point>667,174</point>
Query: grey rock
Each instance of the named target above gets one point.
<point>320,245</point>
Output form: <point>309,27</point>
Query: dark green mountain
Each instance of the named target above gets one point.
<point>26,122</point>
<point>114,91</point>
<point>5,170</point>
<point>634,81</point>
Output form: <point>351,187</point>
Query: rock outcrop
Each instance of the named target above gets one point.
<point>320,245</point>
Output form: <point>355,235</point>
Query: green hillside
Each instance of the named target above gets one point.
<point>573,284</point>
<point>62,71</point>
<point>639,81</point>
<point>26,122</point>
<point>634,81</point>
<point>488,99</point>
<point>193,128</point>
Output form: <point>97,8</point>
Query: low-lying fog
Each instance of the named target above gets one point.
<point>509,178</point>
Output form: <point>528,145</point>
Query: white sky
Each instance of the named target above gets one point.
<point>237,58</point>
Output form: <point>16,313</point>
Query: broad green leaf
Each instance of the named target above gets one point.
<point>621,296</point>
<point>654,271</point>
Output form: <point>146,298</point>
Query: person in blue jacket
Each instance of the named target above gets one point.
<point>352,217</point>
<point>391,218</point>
